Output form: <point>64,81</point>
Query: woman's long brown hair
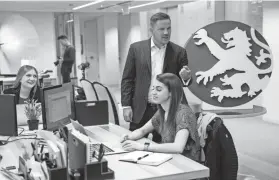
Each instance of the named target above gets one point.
<point>174,86</point>
<point>21,72</point>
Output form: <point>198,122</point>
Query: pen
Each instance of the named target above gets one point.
<point>34,152</point>
<point>143,157</point>
<point>33,146</point>
<point>42,148</point>
<point>41,151</point>
<point>93,155</point>
<point>100,153</point>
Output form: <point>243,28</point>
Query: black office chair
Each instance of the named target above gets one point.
<point>220,153</point>
<point>43,75</point>
<point>1,87</point>
<point>90,92</point>
<point>96,91</point>
<point>103,93</point>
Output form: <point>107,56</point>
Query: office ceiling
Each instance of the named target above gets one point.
<point>68,5</point>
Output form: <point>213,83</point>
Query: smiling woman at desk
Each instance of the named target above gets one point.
<point>26,85</point>
<point>175,122</point>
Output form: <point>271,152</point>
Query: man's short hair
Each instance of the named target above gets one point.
<point>158,16</point>
<point>62,37</point>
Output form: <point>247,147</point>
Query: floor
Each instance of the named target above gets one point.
<point>256,143</point>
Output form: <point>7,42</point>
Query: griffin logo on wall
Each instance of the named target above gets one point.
<point>231,63</point>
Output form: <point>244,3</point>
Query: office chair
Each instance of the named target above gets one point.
<point>103,93</point>
<point>90,92</point>
<point>220,153</point>
<point>1,87</point>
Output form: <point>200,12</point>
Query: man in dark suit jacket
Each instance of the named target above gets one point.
<point>146,59</point>
<point>68,60</point>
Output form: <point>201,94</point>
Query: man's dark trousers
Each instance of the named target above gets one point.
<point>66,77</point>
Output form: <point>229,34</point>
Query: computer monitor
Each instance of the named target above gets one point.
<point>57,106</point>
<point>71,87</point>
<point>8,115</point>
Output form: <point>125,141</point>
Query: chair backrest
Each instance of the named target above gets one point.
<point>1,87</point>
<point>219,147</point>
<point>89,90</point>
<point>103,93</point>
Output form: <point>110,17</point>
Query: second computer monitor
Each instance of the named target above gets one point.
<point>57,106</point>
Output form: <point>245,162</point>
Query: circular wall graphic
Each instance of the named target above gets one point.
<point>231,63</point>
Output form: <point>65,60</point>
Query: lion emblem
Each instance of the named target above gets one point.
<point>234,56</point>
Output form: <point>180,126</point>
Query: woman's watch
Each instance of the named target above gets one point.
<point>146,146</point>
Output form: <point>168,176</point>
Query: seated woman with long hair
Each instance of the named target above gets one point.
<point>174,121</point>
<point>26,85</point>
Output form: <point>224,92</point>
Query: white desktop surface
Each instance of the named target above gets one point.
<point>8,79</point>
<point>177,168</point>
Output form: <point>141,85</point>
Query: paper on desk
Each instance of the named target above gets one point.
<point>36,170</point>
<point>9,175</point>
<point>47,135</point>
<point>45,170</point>
<point>55,153</point>
<point>62,146</point>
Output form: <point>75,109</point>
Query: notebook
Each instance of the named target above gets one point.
<point>146,158</point>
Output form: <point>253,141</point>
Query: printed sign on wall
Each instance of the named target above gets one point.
<point>231,63</point>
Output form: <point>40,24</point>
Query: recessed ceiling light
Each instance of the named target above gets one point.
<point>146,4</point>
<point>88,4</point>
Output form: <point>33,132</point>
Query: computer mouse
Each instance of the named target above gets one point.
<point>3,142</point>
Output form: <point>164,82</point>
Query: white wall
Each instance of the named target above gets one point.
<point>44,25</point>
<point>132,28</point>
<point>191,17</point>
<point>77,32</point>
<point>124,26</point>
<point>101,48</point>
<point>111,49</point>
<point>108,49</point>
<point>270,32</point>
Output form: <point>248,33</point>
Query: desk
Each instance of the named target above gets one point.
<point>178,168</point>
<point>7,82</point>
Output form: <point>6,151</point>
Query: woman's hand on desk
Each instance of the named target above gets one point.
<point>129,145</point>
<point>124,138</point>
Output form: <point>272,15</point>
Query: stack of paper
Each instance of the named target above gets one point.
<point>56,147</point>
